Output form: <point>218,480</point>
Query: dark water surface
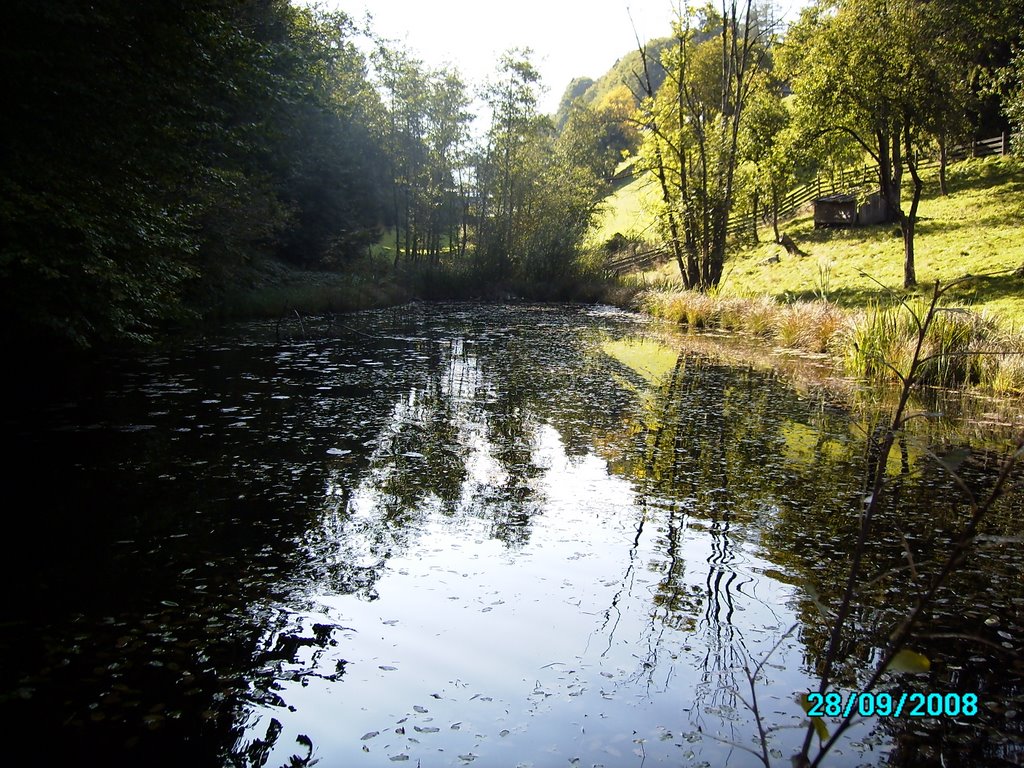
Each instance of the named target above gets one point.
<point>500,536</point>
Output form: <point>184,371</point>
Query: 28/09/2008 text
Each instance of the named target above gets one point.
<point>890,705</point>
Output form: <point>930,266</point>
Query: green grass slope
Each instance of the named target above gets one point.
<point>626,210</point>
<point>977,230</point>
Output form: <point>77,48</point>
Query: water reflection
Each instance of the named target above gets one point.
<point>518,536</point>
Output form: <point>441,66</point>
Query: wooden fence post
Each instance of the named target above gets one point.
<point>1005,148</point>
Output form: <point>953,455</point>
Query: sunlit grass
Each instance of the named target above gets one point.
<point>845,296</point>
<point>977,231</point>
<point>626,211</point>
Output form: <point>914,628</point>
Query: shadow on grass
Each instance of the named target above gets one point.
<point>848,298</point>
<point>980,289</point>
<point>966,175</point>
<point>974,289</point>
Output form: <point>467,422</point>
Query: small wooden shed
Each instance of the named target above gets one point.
<point>835,211</point>
<point>872,210</point>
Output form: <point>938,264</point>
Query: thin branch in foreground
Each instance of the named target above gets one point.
<point>926,592</point>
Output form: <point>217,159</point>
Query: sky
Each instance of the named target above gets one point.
<point>569,38</point>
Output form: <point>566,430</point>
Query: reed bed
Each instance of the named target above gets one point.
<point>809,326</point>
<point>962,349</point>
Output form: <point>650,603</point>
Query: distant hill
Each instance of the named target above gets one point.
<point>614,86</point>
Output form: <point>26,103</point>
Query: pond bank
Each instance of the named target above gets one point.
<point>967,349</point>
<point>271,289</point>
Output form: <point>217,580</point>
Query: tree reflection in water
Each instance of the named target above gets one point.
<point>494,534</point>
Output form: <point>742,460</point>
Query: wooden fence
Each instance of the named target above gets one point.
<point>634,259</point>
<point>849,178</point>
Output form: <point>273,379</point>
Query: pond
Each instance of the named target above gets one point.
<point>445,535</point>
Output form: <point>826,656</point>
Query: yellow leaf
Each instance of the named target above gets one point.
<point>910,661</point>
<point>819,725</point>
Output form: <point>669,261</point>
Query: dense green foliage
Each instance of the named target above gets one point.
<point>153,156</point>
<point>873,71</point>
<point>510,207</point>
<point>1012,80</point>
<point>533,203</point>
<point>151,149</point>
<point>899,78</point>
<point>618,84</point>
<point>853,84</point>
<point>692,132</point>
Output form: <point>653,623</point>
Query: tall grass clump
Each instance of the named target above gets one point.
<point>877,344</point>
<point>1008,377</point>
<point>958,343</point>
<point>690,308</point>
<point>961,348</point>
<point>1004,373</point>
<point>809,325</point>
<point>760,316</point>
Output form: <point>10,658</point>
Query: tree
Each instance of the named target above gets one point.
<point>595,139</point>
<point>426,126</point>
<point>884,73</point>
<point>322,142</point>
<point>405,85</point>
<point>692,128</point>
<point>512,97</point>
<point>449,119</point>
<point>1010,80</point>
<point>150,151</point>
<point>763,146</point>
<point>534,202</point>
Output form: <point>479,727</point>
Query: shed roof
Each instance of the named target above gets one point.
<point>840,198</point>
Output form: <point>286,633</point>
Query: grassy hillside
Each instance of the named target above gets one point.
<point>978,230</point>
<point>627,209</point>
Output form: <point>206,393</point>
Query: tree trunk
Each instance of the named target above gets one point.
<point>775,212</point>
<point>908,222</point>
<point>753,218</point>
<point>394,195</point>
<point>942,165</point>
<point>890,173</point>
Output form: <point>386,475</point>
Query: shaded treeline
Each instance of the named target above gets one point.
<point>152,155</point>
<point>150,150</point>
